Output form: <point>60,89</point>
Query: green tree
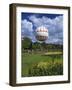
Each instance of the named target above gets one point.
<point>26,43</point>
<point>36,45</point>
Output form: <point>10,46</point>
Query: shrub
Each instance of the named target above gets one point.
<point>46,68</point>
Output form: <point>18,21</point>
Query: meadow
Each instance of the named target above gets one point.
<point>41,59</point>
<point>42,64</point>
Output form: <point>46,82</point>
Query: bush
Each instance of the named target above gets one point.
<point>46,68</point>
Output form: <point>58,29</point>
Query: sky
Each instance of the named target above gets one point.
<point>53,22</point>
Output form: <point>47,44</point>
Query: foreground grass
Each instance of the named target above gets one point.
<point>29,60</point>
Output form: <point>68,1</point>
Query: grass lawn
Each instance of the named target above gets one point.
<point>29,59</point>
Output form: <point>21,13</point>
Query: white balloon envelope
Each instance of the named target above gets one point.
<point>41,33</point>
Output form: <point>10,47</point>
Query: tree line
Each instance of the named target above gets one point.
<point>27,44</point>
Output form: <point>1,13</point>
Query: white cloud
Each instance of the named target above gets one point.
<point>26,25</point>
<point>27,29</point>
<point>54,26</point>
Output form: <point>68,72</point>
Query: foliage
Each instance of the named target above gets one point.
<point>36,45</point>
<point>26,43</point>
<point>46,68</point>
<point>29,60</point>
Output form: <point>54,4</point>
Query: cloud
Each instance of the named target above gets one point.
<point>54,26</point>
<point>27,29</point>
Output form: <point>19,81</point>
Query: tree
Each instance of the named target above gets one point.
<point>36,45</point>
<point>26,43</point>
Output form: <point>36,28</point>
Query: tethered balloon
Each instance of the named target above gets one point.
<point>41,33</point>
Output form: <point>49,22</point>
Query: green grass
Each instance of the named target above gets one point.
<point>29,59</point>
